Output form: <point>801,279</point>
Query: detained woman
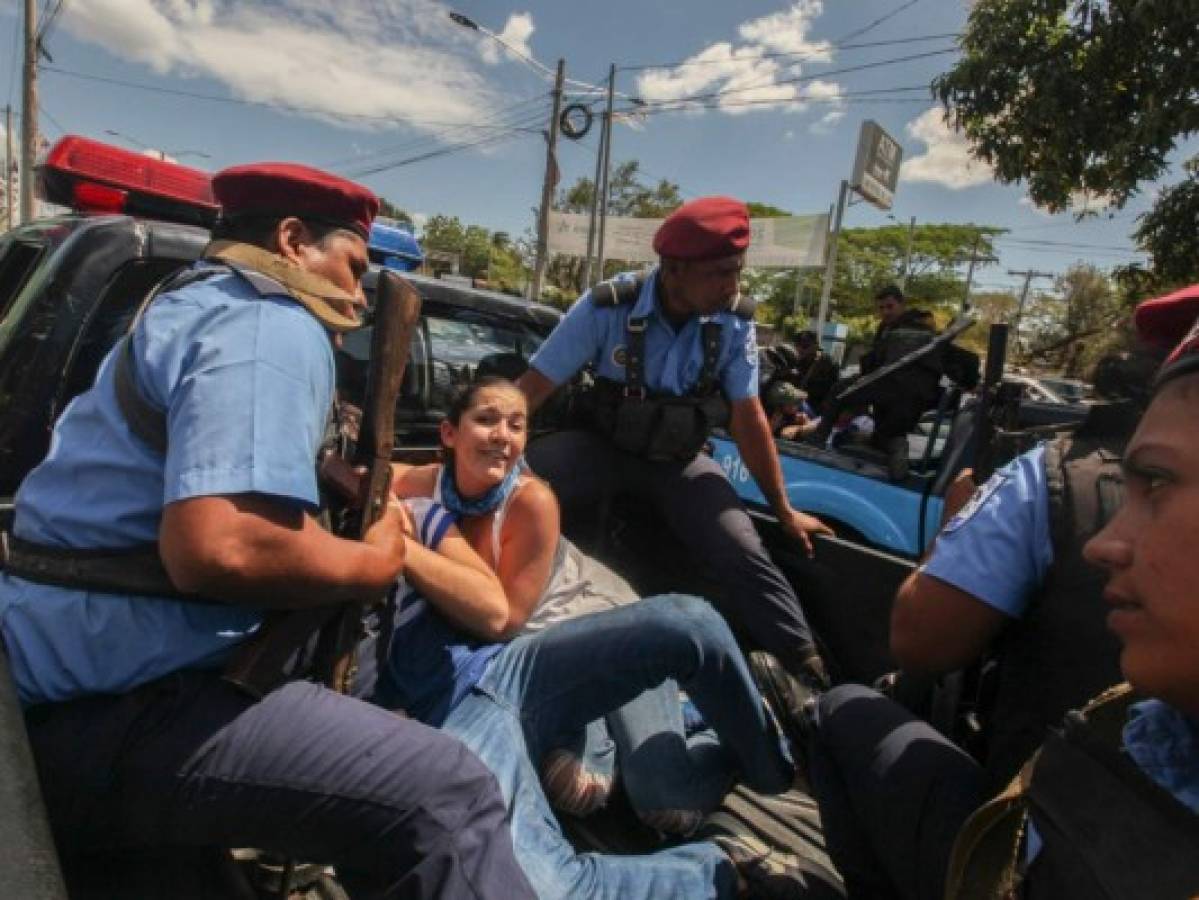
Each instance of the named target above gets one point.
<point>484,550</point>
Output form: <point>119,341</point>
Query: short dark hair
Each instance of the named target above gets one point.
<point>805,337</point>
<point>890,292</point>
<point>257,230</point>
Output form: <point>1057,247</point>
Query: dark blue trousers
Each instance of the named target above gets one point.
<point>400,809</point>
<point>893,793</point>
<point>704,512</point>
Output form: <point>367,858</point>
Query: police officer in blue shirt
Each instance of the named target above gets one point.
<point>176,507</point>
<point>1120,783</point>
<point>675,354</point>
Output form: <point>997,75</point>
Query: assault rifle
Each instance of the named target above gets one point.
<point>955,328</point>
<point>285,638</point>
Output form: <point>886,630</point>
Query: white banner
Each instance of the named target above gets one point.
<point>789,242</point>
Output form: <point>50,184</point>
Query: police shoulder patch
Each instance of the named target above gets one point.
<point>620,356</point>
<point>751,344</point>
<point>976,502</point>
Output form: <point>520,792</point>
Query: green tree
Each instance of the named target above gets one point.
<point>391,211</point>
<point>867,260</point>
<point>628,195</point>
<point>1085,96</point>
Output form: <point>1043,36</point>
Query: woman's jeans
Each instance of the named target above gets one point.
<point>664,764</point>
<point>550,684</point>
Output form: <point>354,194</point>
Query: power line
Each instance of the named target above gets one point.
<point>502,119</point>
<point>796,55</point>
<point>806,78</point>
<point>444,151</point>
<point>1041,243</point>
<point>877,22</point>
<point>854,97</point>
<point>381,162</point>
<point>48,21</point>
<point>53,121</point>
<point>215,98</point>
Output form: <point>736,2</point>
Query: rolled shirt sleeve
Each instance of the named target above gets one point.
<point>249,412</point>
<point>572,344</point>
<point>998,547</point>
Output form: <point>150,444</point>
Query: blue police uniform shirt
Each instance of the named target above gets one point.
<point>247,382</point>
<point>998,548</point>
<point>673,355</point>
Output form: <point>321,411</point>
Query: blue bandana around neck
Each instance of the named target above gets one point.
<point>482,505</point>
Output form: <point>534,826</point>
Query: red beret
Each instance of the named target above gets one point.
<point>1164,320</point>
<point>288,189</point>
<point>708,228</point>
<point>1172,321</point>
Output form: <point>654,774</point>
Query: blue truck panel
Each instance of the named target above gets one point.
<point>887,515</point>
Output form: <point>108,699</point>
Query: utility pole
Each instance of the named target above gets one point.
<point>600,156</point>
<point>907,256</point>
<point>547,188</point>
<point>831,262</point>
<point>9,199</point>
<point>603,198</point>
<point>974,259</point>
<point>29,111</point>
<point>1029,275</point>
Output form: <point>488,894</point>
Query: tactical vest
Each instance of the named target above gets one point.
<point>1108,831</point>
<point>1061,653</point>
<point>137,570</point>
<point>653,425</point>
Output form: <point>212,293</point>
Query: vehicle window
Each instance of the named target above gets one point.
<point>18,259</point>
<point>110,320</point>
<point>456,347</point>
<point>445,355</point>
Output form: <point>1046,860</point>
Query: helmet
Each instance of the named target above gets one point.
<point>781,394</point>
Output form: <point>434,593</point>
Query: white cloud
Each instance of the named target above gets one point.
<point>366,65</point>
<point>787,31</point>
<point>748,76</point>
<point>516,33</point>
<point>946,159</point>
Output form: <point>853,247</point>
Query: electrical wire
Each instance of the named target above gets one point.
<point>800,79</point>
<point>1012,240</point>
<point>382,162</point>
<point>48,22</point>
<point>502,119</point>
<point>53,121</point>
<point>796,56</point>
<point>877,22</point>
<point>444,151</point>
<point>847,98</point>
<point>266,104</point>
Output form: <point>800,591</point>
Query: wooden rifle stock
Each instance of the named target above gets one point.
<point>397,313</point>
<point>262,663</point>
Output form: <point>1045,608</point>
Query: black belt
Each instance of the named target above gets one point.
<point>134,570</point>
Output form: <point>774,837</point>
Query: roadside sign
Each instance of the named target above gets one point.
<point>784,242</point>
<point>876,167</point>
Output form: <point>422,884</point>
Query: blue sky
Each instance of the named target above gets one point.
<point>379,82</point>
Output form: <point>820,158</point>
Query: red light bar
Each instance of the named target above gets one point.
<point>80,160</point>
